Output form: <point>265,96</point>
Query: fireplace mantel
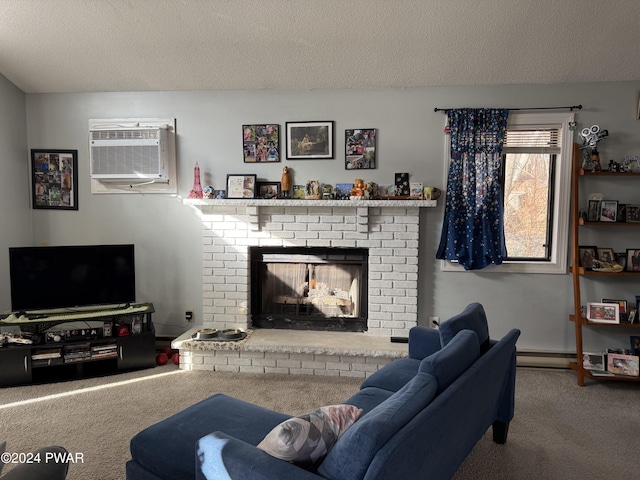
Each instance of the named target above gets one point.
<point>257,202</point>
<point>253,206</point>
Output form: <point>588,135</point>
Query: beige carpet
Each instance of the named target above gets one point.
<point>560,431</point>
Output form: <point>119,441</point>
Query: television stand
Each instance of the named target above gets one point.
<point>80,343</point>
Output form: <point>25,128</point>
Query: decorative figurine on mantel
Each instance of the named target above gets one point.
<point>285,183</point>
<point>359,190</point>
<point>196,191</point>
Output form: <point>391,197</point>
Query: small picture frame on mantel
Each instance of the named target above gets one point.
<point>241,186</point>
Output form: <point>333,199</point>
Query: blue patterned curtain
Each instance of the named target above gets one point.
<point>473,228</point>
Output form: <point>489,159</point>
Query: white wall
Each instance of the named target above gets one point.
<point>15,214</point>
<point>167,234</point>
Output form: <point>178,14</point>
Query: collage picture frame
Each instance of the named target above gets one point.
<point>261,143</point>
<point>54,183</point>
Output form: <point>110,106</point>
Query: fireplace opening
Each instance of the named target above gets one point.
<point>309,288</point>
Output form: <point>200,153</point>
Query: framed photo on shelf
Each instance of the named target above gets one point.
<point>593,213</point>
<point>603,312</point>
<point>54,182</point>
<point>360,149</point>
<point>606,254</point>
<point>623,364</point>
<point>241,186</point>
<point>261,143</point>
<point>608,210</point>
<point>309,140</point>
<point>633,213</point>
<point>635,344</point>
<point>587,254</point>
<point>269,190</point>
<point>633,316</point>
<point>622,307</point>
<point>593,361</point>
<point>633,259</point>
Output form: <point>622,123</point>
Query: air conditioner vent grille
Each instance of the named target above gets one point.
<point>130,134</point>
<point>140,160</point>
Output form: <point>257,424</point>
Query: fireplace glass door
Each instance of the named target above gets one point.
<point>319,290</point>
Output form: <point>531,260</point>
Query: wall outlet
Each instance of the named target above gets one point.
<point>188,314</point>
<point>434,322</point>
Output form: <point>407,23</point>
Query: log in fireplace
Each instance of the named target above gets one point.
<point>309,288</point>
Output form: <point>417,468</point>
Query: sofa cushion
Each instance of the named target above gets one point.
<point>306,439</point>
<point>471,318</point>
<point>351,455</point>
<point>394,375</point>
<point>368,398</point>
<point>453,359</point>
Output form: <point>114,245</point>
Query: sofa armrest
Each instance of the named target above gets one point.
<point>423,341</point>
<point>222,457</point>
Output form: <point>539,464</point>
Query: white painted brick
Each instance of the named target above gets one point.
<point>364,367</point>
<point>289,363</point>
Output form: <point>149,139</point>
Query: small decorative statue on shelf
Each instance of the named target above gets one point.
<point>196,191</point>
<point>285,183</point>
<point>592,136</point>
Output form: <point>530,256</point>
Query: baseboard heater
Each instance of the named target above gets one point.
<point>544,359</point>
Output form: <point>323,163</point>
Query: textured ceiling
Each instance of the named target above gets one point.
<point>135,45</point>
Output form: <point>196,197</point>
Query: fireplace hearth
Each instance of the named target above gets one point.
<point>309,288</point>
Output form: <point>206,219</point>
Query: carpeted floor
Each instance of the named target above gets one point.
<point>560,431</point>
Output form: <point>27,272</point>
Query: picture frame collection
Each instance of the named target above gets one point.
<point>311,140</point>
<point>629,260</point>
<point>601,210</point>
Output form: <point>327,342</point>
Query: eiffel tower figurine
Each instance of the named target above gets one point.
<point>196,191</point>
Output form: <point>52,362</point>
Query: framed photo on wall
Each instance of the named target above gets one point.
<point>309,140</point>
<point>241,186</point>
<point>360,148</point>
<point>261,143</point>
<point>54,179</point>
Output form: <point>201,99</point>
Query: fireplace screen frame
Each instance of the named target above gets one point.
<point>302,315</point>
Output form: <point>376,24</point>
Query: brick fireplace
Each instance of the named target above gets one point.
<point>388,229</point>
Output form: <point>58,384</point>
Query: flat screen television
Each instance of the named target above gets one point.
<point>71,276</point>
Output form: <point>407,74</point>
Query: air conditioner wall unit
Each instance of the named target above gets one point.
<point>129,154</point>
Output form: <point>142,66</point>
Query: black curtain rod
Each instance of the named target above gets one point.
<point>576,107</point>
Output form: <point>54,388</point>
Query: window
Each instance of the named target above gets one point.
<point>536,188</point>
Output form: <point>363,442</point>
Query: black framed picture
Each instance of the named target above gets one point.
<point>54,182</point>
<point>241,186</point>
<point>593,214</point>
<point>587,254</point>
<point>309,140</point>
<point>269,190</point>
<point>360,148</point>
<point>633,260</point>
<point>261,143</point>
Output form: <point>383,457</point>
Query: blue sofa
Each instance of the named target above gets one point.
<point>422,415</point>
